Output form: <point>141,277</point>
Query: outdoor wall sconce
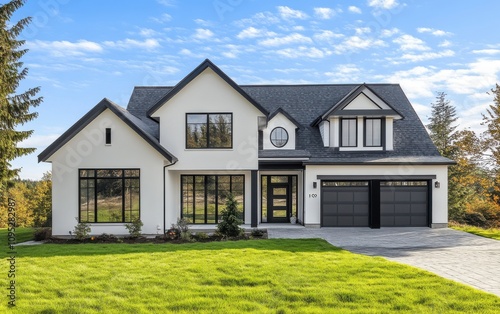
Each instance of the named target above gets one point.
<point>315,185</point>
<point>437,184</point>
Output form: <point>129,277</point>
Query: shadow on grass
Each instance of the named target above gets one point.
<point>286,245</point>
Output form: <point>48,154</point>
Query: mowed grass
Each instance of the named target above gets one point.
<point>492,233</point>
<point>22,235</point>
<point>259,276</point>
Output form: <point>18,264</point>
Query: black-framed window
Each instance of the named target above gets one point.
<point>373,132</point>
<point>279,137</point>
<point>349,132</point>
<point>109,195</point>
<point>209,130</point>
<point>205,196</point>
<point>108,136</point>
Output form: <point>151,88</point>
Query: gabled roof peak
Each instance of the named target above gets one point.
<point>197,71</point>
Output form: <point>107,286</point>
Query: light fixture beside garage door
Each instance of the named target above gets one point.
<point>437,184</point>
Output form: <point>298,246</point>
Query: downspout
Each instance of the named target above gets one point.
<point>164,201</point>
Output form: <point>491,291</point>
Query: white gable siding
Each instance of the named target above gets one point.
<point>324,130</point>
<point>209,93</point>
<point>279,120</point>
<point>88,150</point>
<point>366,101</point>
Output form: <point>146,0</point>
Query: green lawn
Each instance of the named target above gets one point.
<point>22,235</point>
<point>260,276</point>
<point>493,233</point>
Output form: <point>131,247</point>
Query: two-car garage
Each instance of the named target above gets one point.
<point>375,203</point>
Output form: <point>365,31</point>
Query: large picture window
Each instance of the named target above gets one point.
<point>349,132</point>
<point>109,195</point>
<point>204,196</point>
<point>209,130</point>
<point>373,132</point>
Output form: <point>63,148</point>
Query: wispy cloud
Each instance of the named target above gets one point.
<point>326,13</point>
<point>355,43</point>
<point>354,9</point>
<point>383,4</point>
<point>167,3</point>
<point>285,40</point>
<point>164,18</point>
<point>65,48</point>
<point>427,55</point>
<point>408,42</point>
<point>252,32</point>
<point>487,51</point>
<point>303,51</point>
<point>128,43</point>
<point>327,35</point>
<point>288,13</point>
<point>203,34</point>
<point>435,32</point>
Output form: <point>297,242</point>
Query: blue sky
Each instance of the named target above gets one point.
<point>82,51</point>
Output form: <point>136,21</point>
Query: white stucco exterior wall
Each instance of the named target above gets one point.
<point>88,150</point>
<point>209,93</point>
<point>312,204</point>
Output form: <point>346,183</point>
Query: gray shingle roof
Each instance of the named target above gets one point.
<point>305,103</point>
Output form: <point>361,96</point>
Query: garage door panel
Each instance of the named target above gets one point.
<point>345,196</point>
<point>345,206</point>
<point>329,196</point>
<point>403,205</point>
<point>346,209</point>
<point>361,209</point>
<point>386,209</point>
<point>402,196</point>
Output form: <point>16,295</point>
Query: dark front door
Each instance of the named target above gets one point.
<point>278,208</point>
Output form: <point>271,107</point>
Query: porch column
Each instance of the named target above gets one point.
<point>253,199</point>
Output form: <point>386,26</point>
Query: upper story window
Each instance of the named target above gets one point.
<point>373,132</point>
<point>348,132</point>
<point>209,130</point>
<point>108,136</point>
<point>279,137</point>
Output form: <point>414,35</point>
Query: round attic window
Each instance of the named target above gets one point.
<point>279,137</point>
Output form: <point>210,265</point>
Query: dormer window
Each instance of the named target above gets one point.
<point>279,137</point>
<point>349,133</point>
<point>373,132</point>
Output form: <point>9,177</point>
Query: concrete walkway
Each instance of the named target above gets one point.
<point>452,254</point>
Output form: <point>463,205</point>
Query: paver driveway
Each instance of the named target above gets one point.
<point>449,253</point>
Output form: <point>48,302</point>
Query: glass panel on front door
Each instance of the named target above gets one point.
<point>279,198</point>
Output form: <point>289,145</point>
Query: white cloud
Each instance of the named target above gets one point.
<point>355,43</point>
<point>408,42</point>
<point>487,51</point>
<point>344,73</point>
<point>354,9</point>
<point>389,32</point>
<point>362,30</point>
<point>252,32</point>
<point>435,32</point>
<point>289,39</point>
<point>427,55</point>
<point>189,53</point>
<point>327,35</point>
<point>165,17</point>
<point>148,32</point>
<point>302,51</point>
<point>203,33</point>
<point>261,18</point>
<point>147,44</point>
<point>287,13</point>
<point>326,13</point>
<point>65,48</point>
<point>445,43</point>
<point>383,4</point>
<point>167,3</point>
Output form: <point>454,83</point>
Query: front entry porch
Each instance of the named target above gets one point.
<point>279,198</point>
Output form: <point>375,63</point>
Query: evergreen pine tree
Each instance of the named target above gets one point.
<point>230,223</point>
<point>441,126</point>
<point>14,108</point>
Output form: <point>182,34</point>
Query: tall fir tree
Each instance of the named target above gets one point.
<point>14,106</point>
<point>491,141</point>
<point>441,126</point>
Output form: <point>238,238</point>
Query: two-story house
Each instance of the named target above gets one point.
<point>330,155</point>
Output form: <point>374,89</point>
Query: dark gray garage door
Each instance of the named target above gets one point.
<point>403,204</point>
<point>344,204</point>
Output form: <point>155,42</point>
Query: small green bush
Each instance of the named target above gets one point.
<point>257,232</point>
<point>82,230</point>
<point>42,234</point>
<point>134,228</point>
<point>229,226</point>
<point>180,230</point>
